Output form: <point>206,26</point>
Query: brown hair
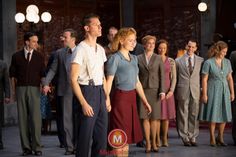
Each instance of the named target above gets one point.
<point>216,48</point>
<point>86,19</point>
<point>121,35</point>
<point>163,41</point>
<point>146,38</point>
<point>73,33</point>
<point>112,28</point>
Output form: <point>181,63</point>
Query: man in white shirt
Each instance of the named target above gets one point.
<point>89,86</point>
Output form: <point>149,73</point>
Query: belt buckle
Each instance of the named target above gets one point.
<point>91,82</point>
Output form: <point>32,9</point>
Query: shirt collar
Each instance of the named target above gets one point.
<point>148,59</point>
<point>26,51</point>
<point>187,56</point>
<point>72,49</point>
<point>122,57</point>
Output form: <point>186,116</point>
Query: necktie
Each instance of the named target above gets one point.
<point>69,51</point>
<point>190,66</point>
<point>28,57</point>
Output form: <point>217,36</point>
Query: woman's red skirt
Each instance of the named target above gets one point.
<point>124,115</point>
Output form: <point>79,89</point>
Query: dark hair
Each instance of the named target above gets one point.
<point>73,33</point>
<point>111,28</point>
<point>193,40</point>
<point>27,35</point>
<point>86,18</point>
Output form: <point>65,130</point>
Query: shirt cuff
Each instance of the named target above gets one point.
<point>162,94</point>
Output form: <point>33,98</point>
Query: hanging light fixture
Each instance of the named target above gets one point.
<point>32,16</point>
<point>202,7</point>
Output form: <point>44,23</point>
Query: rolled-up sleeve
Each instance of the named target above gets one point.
<point>77,56</point>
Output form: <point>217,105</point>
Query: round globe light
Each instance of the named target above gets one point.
<point>202,7</point>
<point>37,18</point>
<point>46,17</point>
<point>32,8</point>
<point>30,17</point>
<point>19,18</point>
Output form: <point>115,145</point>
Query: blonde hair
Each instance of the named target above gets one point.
<point>121,35</point>
<point>146,38</point>
<point>216,48</point>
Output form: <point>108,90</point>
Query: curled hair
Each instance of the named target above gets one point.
<point>146,38</point>
<point>216,48</point>
<point>163,41</point>
<point>122,34</point>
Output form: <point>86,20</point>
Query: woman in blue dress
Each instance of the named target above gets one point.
<point>217,92</point>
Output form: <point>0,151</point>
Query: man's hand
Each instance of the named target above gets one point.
<point>7,100</point>
<point>87,110</point>
<point>46,89</point>
<point>162,96</point>
<point>108,104</point>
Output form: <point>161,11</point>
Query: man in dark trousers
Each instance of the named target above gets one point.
<point>4,94</point>
<point>61,66</point>
<point>26,71</point>
<point>89,86</point>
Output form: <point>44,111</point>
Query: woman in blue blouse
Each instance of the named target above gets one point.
<point>217,91</point>
<point>123,68</point>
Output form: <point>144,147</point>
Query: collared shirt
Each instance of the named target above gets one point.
<point>95,56</point>
<point>148,59</point>
<point>187,58</point>
<point>26,52</point>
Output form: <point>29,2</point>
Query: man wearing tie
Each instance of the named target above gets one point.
<point>61,66</point>
<point>26,71</point>
<point>188,94</point>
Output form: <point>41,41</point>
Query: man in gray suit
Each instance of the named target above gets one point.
<point>233,64</point>
<point>4,94</point>
<point>61,66</point>
<point>188,94</point>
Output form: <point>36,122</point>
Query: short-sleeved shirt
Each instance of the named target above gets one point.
<point>124,71</point>
<point>95,56</point>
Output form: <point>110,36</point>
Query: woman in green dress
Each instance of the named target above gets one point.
<point>217,91</point>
